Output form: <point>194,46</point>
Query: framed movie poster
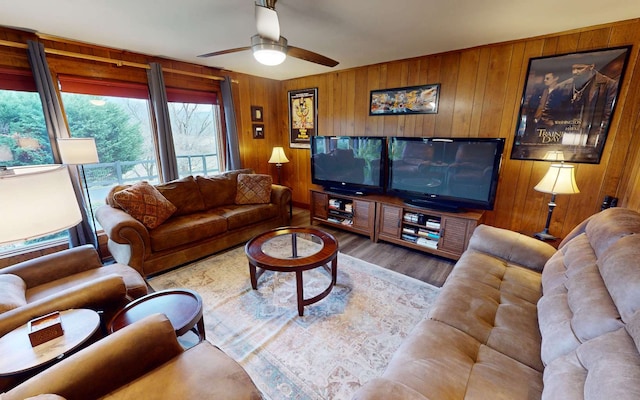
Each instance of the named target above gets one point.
<point>303,116</point>
<point>567,105</point>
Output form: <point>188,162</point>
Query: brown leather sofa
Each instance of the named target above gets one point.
<point>73,278</point>
<point>142,361</point>
<point>518,320</point>
<point>207,220</point>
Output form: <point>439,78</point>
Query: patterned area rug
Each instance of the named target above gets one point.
<point>339,344</point>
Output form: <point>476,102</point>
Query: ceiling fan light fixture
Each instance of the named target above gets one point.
<point>267,51</point>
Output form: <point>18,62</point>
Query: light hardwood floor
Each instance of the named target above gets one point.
<point>419,265</point>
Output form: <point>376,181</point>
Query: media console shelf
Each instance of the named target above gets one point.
<point>445,234</point>
<point>350,213</point>
<point>389,219</point>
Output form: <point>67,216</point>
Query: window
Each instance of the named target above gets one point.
<point>117,116</point>
<point>23,133</point>
<point>196,128</point>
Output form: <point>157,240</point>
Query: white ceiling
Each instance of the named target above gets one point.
<point>353,32</point>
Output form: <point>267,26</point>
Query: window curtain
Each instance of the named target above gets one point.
<point>82,233</point>
<point>159,103</point>
<point>233,147</point>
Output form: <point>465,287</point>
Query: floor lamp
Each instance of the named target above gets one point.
<point>559,179</point>
<point>278,158</point>
<point>41,202</point>
<point>81,151</point>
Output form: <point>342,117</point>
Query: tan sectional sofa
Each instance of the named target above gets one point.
<point>207,219</point>
<point>518,320</point>
<point>142,361</point>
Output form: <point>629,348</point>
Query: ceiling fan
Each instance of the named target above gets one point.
<point>268,46</point>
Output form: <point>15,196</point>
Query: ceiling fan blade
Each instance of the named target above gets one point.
<point>267,23</point>
<point>221,52</point>
<point>307,55</point>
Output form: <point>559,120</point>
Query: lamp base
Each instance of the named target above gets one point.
<point>544,236</point>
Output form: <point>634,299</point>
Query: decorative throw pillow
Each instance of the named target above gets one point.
<point>12,288</point>
<point>184,194</point>
<point>145,203</point>
<point>253,189</point>
<point>217,190</point>
<point>110,200</point>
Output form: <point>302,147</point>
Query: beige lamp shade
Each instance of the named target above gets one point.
<point>559,179</point>
<point>36,201</point>
<point>556,155</point>
<point>278,156</point>
<point>78,151</point>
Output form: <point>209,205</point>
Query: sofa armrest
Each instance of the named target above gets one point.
<point>107,364</point>
<point>55,266</point>
<point>96,294</point>
<point>511,246</point>
<point>133,244</point>
<point>280,195</point>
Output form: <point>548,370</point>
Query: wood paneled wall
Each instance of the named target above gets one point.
<point>480,96</point>
<point>481,90</point>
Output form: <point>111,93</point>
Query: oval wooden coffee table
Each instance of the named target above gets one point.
<point>293,258</point>
<point>19,357</point>
<point>182,307</point>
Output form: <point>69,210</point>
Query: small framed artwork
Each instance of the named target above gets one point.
<point>567,105</point>
<point>258,131</point>
<point>257,114</point>
<point>303,117</point>
<point>406,100</point>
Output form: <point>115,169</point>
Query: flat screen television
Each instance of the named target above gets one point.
<point>348,164</point>
<point>444,173</point>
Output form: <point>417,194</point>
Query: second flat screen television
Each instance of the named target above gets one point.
<point>446,173</point>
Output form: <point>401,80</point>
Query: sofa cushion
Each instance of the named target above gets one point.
<point>145,203</point>
<point>576,305</point>
<point>200,372</point>
<point>253,189</point>
<point>608,226</point>
<point>184,194</point>
<point>619,268</point>
<point>607,367</point>
<point>494,302</point>
<point>240,216</point>
<point>12,289</point>
<point>217,190</point>
<point>442,362</point>
<point>187,229</point>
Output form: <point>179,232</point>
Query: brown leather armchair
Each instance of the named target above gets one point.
<point>73,278</point>
<point>143,360</point>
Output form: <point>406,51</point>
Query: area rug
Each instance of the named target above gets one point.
<point>339,344</point>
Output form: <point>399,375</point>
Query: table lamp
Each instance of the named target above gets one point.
<point>36,201</point>
<point>559,179</point>
<point>278,158</point>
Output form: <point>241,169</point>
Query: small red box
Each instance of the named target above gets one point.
<point>45,328</point>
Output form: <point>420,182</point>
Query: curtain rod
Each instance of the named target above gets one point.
<point>119,63</point>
